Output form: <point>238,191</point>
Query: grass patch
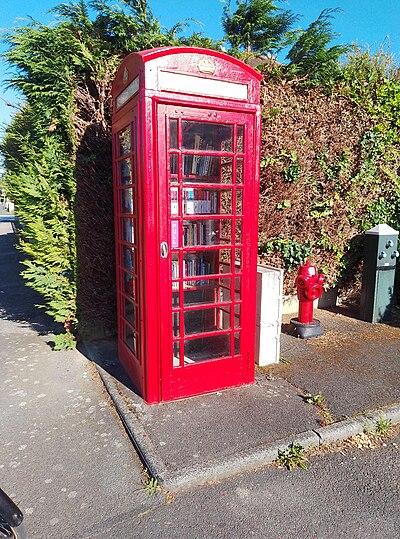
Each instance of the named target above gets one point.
<point>150,484</point>
<point>383,427</point>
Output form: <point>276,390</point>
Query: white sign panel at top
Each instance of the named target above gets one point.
<point>192,84</point>
<point>129,91</point>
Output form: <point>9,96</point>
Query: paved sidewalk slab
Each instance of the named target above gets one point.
<point>355,365</point>
<point>65,457</point>
<point>207,437</point>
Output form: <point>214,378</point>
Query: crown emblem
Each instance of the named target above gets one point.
<point>206,65</point>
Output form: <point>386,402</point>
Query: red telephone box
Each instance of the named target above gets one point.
<point>186,136</point>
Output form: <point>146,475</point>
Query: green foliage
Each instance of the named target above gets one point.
<point>312,58</point>
<point>336,170</point>
<point>388,108</point>
<point>38,149</point>
<point>322,209</point>
<point>150,484</point>
<point>364,73</point>
<point>316,400</point>
<point>284,205</point>
<point>383,426</point>
<point>64,73</point>
<point>292,457</point>
<point>291,171</point>
<point>319,401</point>
<point>293,253</point>
<point>64,341</point>
<point>257,26</point>
<point>43,193</point>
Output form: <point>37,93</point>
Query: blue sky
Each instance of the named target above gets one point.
<point>366,22</point>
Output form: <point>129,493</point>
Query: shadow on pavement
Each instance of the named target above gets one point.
<point>103,352</point>
<point>18,302</point>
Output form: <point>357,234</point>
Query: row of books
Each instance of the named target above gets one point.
<point>195,201</point>
<point>199,233</point>
<point>192,266</point>
<point>201,165</point>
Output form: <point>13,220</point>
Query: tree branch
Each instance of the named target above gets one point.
<point>9,104</point>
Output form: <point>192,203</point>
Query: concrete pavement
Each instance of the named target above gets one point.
<point>66,460</point>
<point>64,455</point>
<point>354,366</point>
<point>352,495</point>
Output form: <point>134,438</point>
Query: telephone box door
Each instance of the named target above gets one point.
<point>208,207</point>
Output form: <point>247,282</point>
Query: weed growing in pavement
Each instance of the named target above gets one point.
<point>292,457</point>
<point>383,426</point>
<point>319,401</point>
<point>150,483</point>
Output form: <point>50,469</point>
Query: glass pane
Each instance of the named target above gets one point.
<point>206,263</point>
<point>173,163</point>
<point>238,260</point>
<point>237,316</point>
<point>205,320</point>
<point>237,343</point>
<point>129,312</point>
<point>129,285</point>
<point>197,264</point>
<point>225,261</point>
<point>224,318</point>
<point>239,201</point>
<point>128,230</point>
<point>175,268</point>
<point>173,133</point>
<point>226,170</point>
<point>206,291</point>
<point>206,136</point>
<point>197,201</point>
<point>205,348</point>
<point>127,201</point>
<point>240,137</point>
<point>175,324</point>
<point>238,237</point>
<point>174,201</point>
<point>207,232</point>
<point>126,171</point>
<point>238,283</point>
<point>175,353</point>
<point>128,258</point>
<point>239,170</point>
<point>175,294</point>
<point>130,338</point>
<point>207,169</point>
<point>125,141</point>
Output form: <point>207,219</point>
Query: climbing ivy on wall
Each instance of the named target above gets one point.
<point>330,166</point>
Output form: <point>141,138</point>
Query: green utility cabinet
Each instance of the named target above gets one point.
<point>380,257</point>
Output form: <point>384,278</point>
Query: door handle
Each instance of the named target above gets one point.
<point>164,249</point>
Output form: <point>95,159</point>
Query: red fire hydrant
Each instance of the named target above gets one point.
<point>309,288</point>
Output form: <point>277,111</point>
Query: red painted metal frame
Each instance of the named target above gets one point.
<point>151,369</point>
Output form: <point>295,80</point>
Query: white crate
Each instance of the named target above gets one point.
<point>268,314</point>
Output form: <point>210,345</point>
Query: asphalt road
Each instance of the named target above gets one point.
<point>356,495</point>
<point>65,459</point>
<point>64,456</point>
